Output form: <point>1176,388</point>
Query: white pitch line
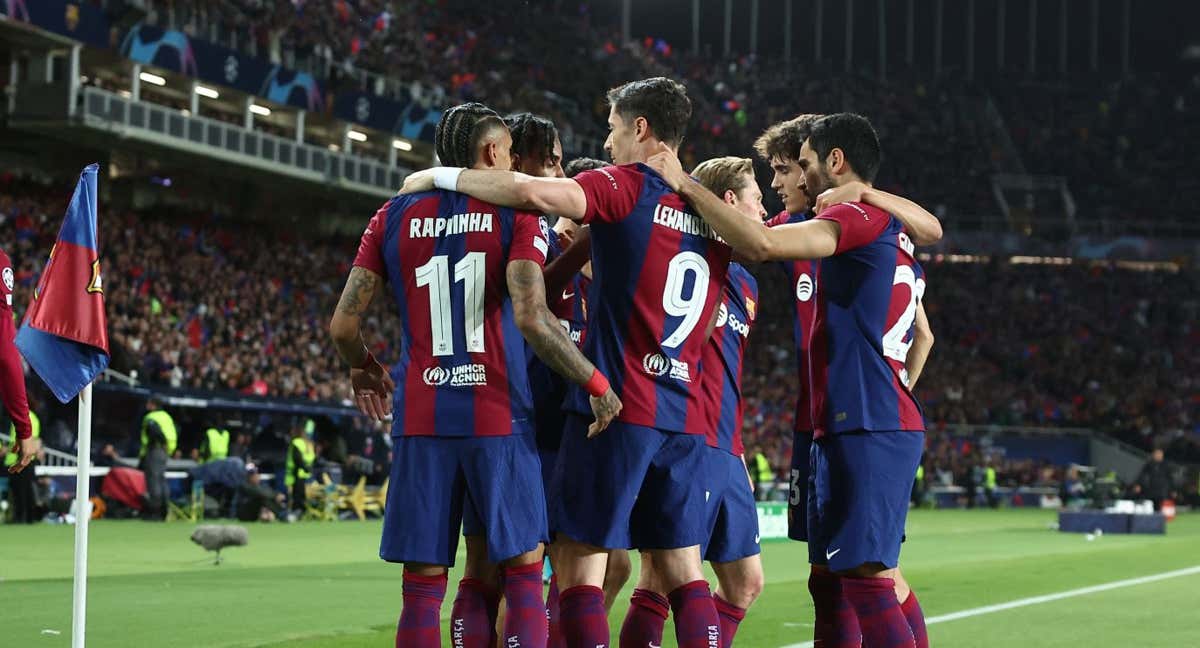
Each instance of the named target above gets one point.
<point>1037,600</point>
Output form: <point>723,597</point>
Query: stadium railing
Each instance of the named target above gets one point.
<point>48,106</point>
<point>169,127</point>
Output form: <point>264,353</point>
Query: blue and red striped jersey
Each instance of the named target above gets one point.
<point>462,362</point>
<point>721,375</point>
<point>802,280</point>
<point>571,308</point>
<point>549,388</point>
<point>863,327</point>
<point>657,276</point>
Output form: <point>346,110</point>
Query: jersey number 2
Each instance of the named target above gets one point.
<point>894,345</point>
<point>690,308</point>
<point>471,271</point>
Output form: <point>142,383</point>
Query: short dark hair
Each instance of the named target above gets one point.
<point>855,136</point>
<point>661,101</point>
<point>783,140</point>
<point>579,165</point>
<point>533,136</point>
<point>460,130</point>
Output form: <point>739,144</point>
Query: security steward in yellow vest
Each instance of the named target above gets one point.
<point>159,438</point>
<point>300,456</point>
<point>763,475</point>
<point>20,485</point>
<point>215,445</point>
<point>989,486</point>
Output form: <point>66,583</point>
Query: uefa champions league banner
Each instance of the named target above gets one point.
<point>78,20</point>
<point>176,51</point>
<point>407,119</point>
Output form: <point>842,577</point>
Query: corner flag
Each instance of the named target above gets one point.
<point>64,336</point>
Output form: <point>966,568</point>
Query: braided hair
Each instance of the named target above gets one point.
<point>459,131</point>
<point>533,136</point>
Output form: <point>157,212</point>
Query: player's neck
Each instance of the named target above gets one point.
<point>847,178</point>
<point>646,149</point>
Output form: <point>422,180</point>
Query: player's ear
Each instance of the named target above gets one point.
<point>491,152</point>
<point>641,129</point>
<point>730,197</point>
<point>836,161</point>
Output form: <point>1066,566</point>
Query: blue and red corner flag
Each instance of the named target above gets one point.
<point>64,336</point>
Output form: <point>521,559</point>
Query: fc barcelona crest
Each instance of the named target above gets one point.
<point>95,285</point>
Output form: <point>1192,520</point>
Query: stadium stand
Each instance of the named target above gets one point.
<point>1117,361</point>
<point>204,303</point>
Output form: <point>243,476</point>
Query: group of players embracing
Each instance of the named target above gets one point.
<point>575,391</point>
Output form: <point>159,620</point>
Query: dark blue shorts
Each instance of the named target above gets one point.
<point>491,486</point>
<point>798,480</point>
<point>858,497</point>
<point>548,458</point>
<point>732,513</point>
<point>630,487</point>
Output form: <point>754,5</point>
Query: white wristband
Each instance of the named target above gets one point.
<point>446,178</point>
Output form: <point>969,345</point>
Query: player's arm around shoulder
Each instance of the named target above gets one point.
<point>550,341</point>
<point>559,196</point>
<point>752,240</point>
<point>923,227</point>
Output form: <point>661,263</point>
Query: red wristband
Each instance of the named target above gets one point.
<point>367,362</point>
<point>597,385</point>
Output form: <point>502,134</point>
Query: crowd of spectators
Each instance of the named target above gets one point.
<point>196,303</point>
<point>1116,142</point>
<point>201,302</point>
<point>1122,145</point>
<point>1112,141</point>
<point>499,53</point>
<point>1028,345</point>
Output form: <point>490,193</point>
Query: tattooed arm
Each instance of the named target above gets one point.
<point>372,386</point>
<point>344,328</point>
<point>550,341</point>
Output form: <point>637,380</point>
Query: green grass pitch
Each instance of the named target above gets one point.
<point>321,585</point>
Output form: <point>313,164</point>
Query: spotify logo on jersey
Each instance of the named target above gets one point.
<point>804,288</point>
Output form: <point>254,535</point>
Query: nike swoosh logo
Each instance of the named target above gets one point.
<point>830,554</point>
<point>567,295</point>
<point>755,538</point>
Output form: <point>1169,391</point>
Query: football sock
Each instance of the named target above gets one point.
<point>731,615</point>
<point>879,615</point>
<point>645,620</point>
<point>555,639</point>
<point>525,620</point>
<point>583,619</point>
<point>696,622</point>
<point>473,617</point>
<point>916,619</point>
<point>836,622</point>
<point>420,618</point>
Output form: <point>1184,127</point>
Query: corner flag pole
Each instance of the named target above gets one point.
<point>83,514</point>
<point>64,338</point>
